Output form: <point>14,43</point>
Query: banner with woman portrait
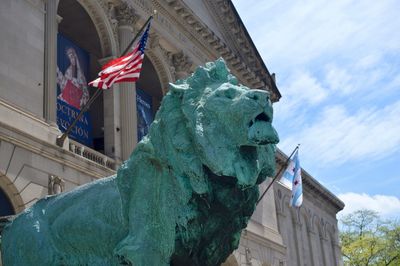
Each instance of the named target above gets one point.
<point>72,89</point>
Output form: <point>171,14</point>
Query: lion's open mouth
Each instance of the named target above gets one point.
<point>261,117</point>
<point>260,130</point>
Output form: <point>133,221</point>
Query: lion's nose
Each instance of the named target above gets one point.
<point>259,96</point>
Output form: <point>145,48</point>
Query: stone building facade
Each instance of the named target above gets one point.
<point>184,34</point>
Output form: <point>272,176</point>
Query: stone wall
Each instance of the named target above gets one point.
<point>22,54</point>
<point>310,232</point>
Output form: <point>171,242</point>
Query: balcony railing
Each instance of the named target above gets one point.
<point>92,155</point>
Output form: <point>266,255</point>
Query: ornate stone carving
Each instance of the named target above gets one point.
<point>154,40</point>
<point>179,64</point>
<point>98,12</point>
<point>167,57</point>
<point>160,67</point>
<point>124,14</point>
<point>56,185</point>
<point>111,14</point>
<point>182,64</point>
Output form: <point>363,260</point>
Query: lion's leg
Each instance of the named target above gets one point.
<point>151,212</point>
<point>139,255</point>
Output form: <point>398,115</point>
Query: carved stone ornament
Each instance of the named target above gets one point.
<point>55,185</point>
<point>154,40</point>
<point>168,58</point>
<point>182,64</point>
<point>111,14</point>
<point>125,14</point>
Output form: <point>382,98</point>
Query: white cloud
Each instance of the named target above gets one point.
<point>395,83</point>
<point>369,61</point>
<point>337,136</point>
<point>303,90</point>
<point>337,66</point>
<point>339,79</point>
<point>369,77</point>
<point>303,31</point>
<point>388,206</point>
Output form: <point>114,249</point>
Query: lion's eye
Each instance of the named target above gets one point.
<point>230,93</point>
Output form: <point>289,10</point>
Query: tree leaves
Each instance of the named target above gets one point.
<point>368,240</point>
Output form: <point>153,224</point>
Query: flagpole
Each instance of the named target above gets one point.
<point>278,174</point>
<point>137,35</point>
<point>60,139</point>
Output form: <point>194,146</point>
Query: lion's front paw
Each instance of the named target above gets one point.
<point>138,256</point>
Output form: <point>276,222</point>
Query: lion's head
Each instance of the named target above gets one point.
<point>210,121</point>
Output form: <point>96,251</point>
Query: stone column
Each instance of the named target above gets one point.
<point>125,16</point>
<point>315,250</point>
<point>50,62</point>
<point>325,250</point>
<point>337,253</point>
<point>299,241</point>
<point>112,120</point>
<point>267,209</point>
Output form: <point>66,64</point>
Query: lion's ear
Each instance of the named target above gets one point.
<point>232,79</point>
<point>177,89</point>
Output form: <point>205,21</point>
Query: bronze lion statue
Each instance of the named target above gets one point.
<point>182,198</point>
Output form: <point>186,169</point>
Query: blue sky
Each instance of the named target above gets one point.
<point>337,65</point>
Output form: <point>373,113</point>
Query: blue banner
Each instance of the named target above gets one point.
<point>144,113</point>
<point>72,89</point>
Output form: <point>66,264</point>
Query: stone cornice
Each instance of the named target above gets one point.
<point>310,185</point>
<point>236,35</point>
<point>255,77</point>
<point>246,47</point>
<point>317,190</point>
<point>241,43</point>
<point>176,16</point>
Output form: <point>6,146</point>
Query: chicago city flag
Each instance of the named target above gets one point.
<point>287,177</point>
<point>297,186</point>
<point>125,68</point>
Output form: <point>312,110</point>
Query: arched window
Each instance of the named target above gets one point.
<point>5,205</point>
<point>78,54</point>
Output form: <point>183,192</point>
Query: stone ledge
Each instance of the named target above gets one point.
<point>27,122</point>
<point>53,152</point>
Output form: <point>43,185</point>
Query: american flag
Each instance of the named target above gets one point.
<point>123,69</point>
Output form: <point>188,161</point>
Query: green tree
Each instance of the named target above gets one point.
<point>368,240</point>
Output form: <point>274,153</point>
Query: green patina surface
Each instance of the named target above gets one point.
<point>183,197</point>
